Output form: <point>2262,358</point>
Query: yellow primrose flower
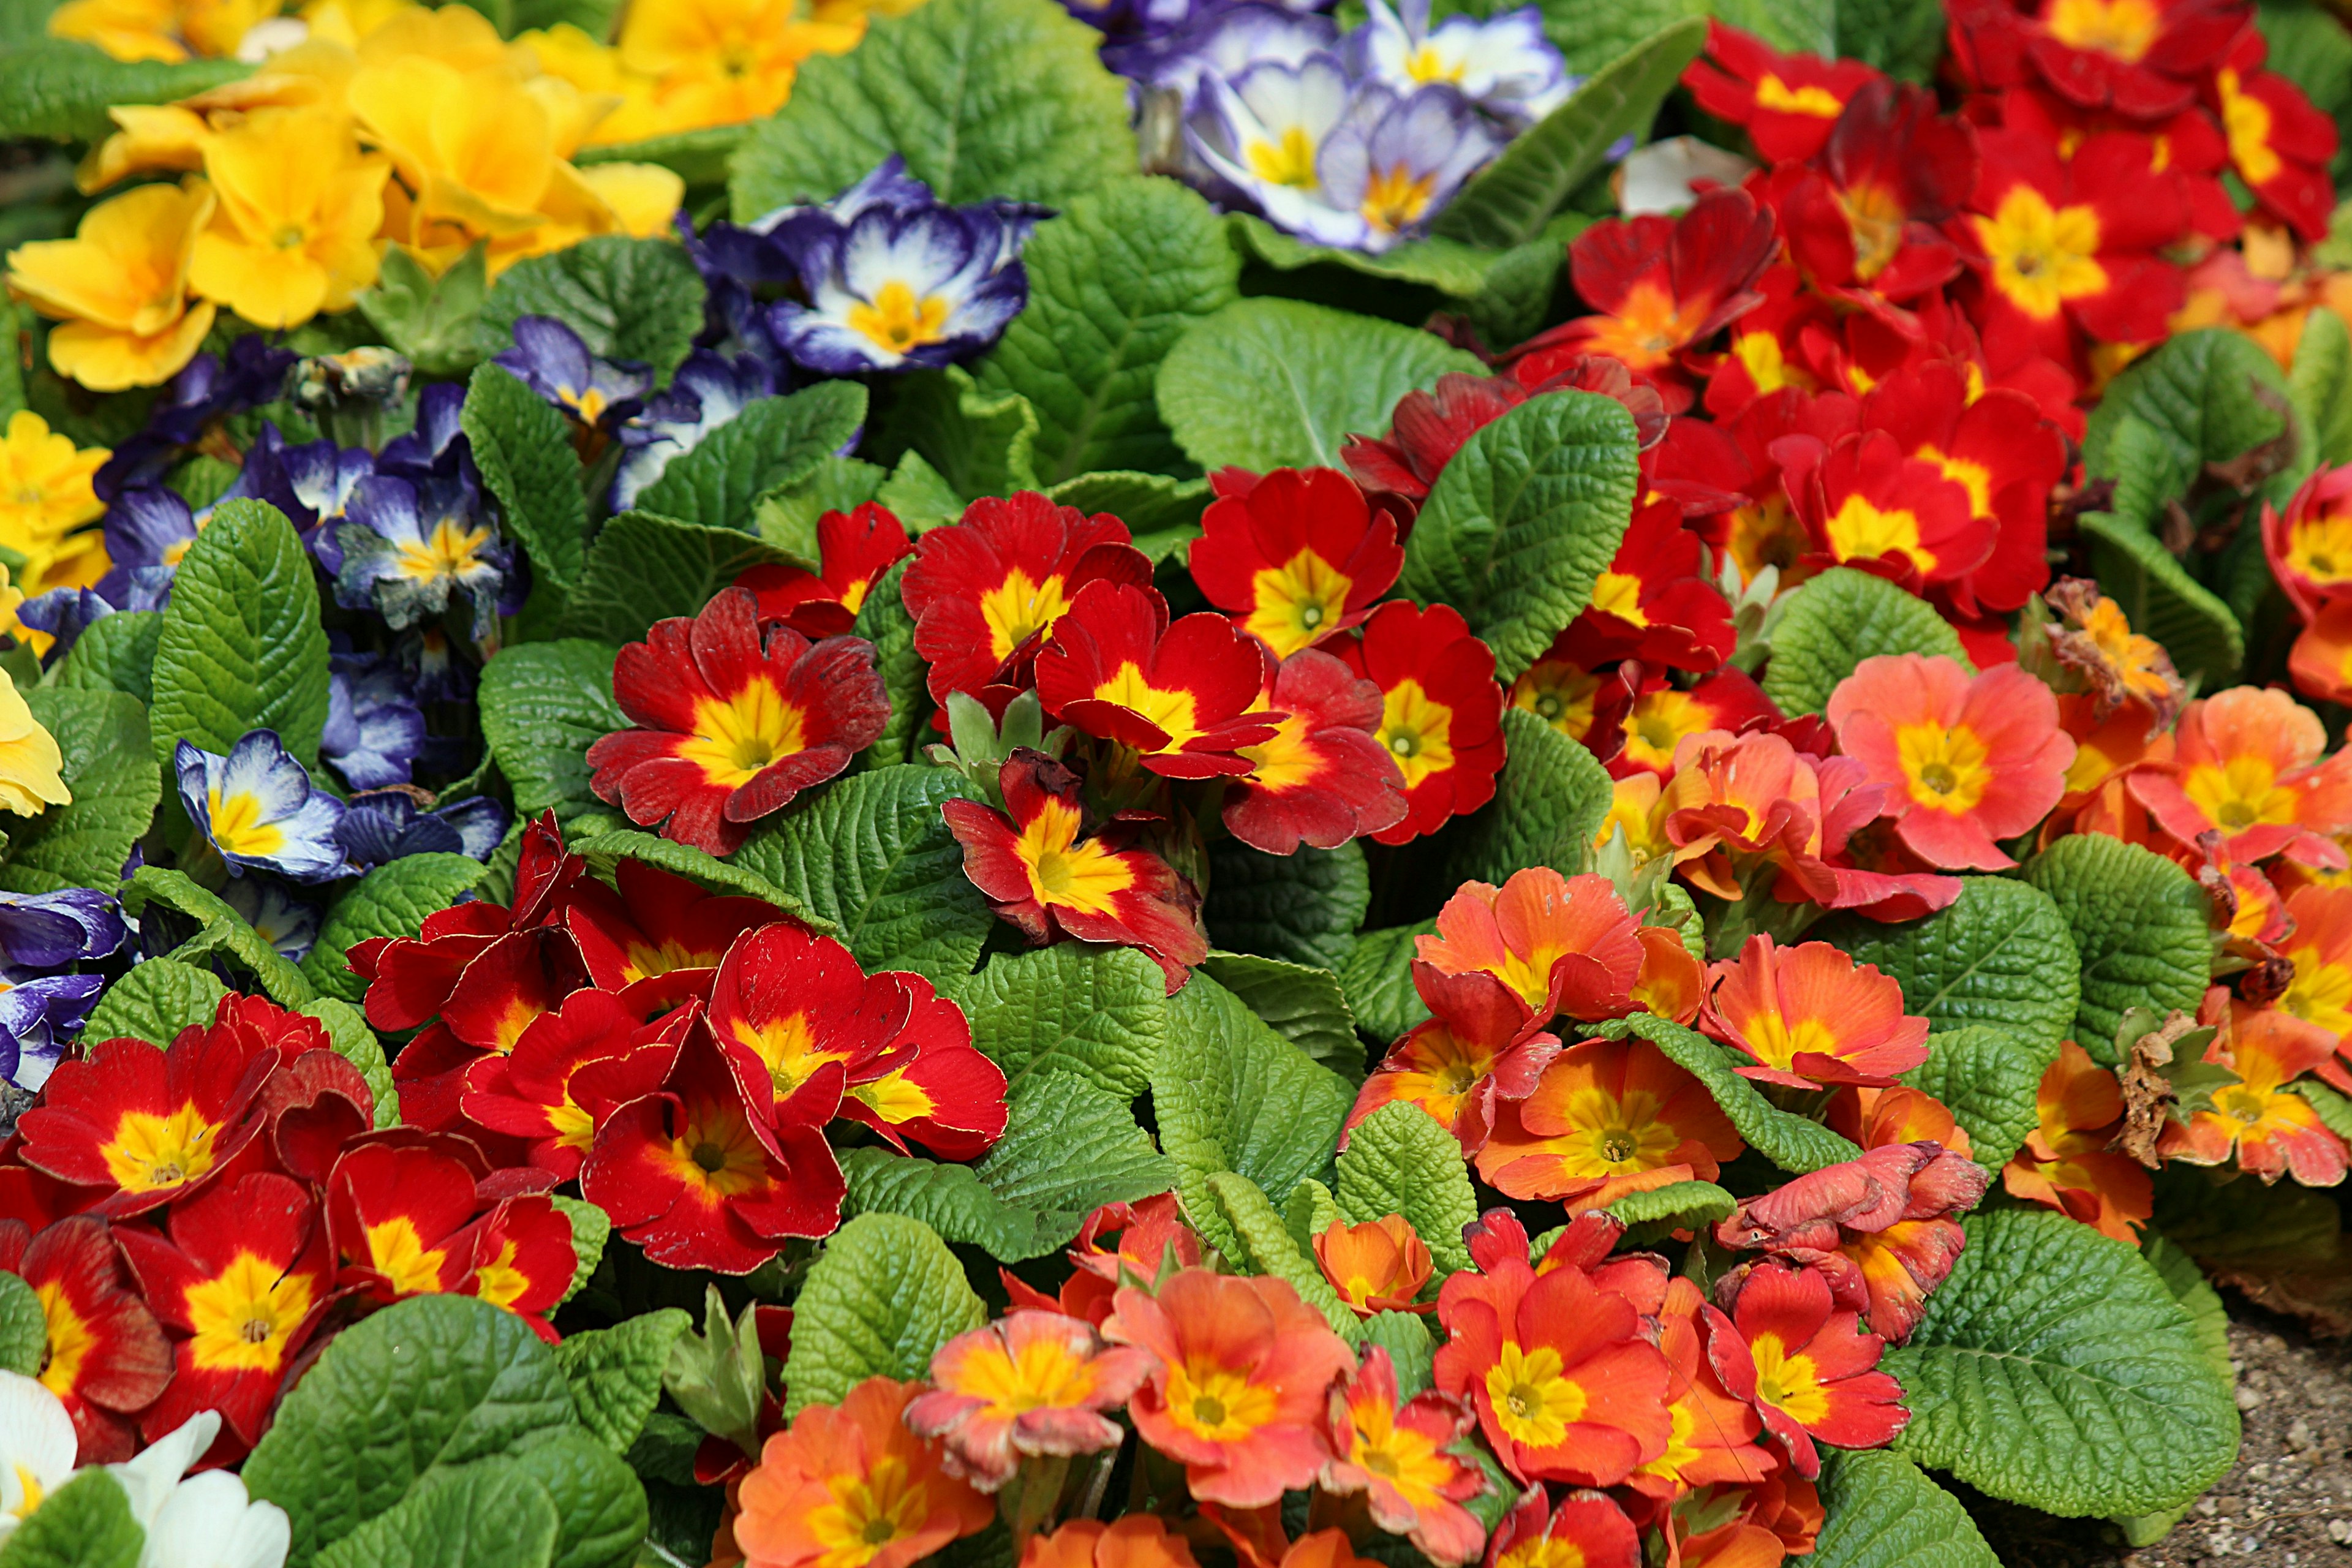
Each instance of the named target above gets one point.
<point>157,137</point>
<point>457,36</point>
<point>300,207</point>
<point>45,487</point>
<point>30,758</point>
<point>719,62</point>
<point>121,287</point>
<point>161,29</point>
<point>474,148</point>
<point>644,197</point>
<point>635,199</point>
<point>566,53</point>
<point>347,22</point>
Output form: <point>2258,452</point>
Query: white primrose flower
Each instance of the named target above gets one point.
<point>1504,65</point>
<point>203,1520</point>
<point>37,1448</point>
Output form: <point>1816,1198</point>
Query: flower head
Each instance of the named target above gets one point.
<point>375,728</point>
<point>1399,1454</point>
<point>2247,764</point>
<point>1787,103</point>
<point>1555,944</point>
<point>30,761</point>
<point>2091,637</point>
<point>1179,694</point>
<point>1967,761</point>
<point>1586,1531</point>
<point>1504,66</point>
<point>708,392</point>
<point>1428,427</point>
<point>2272,1132</point>
<point>119,286</point>
<point>1605,1111</point>
<point>1130,1541</point>
<point>1149,1239</point>
<point>404,546</point>
<point>571,1069</point>
<point>732,723</point>
<point>1238,1396</point>
<point>1652,603</point>
<point>850,1483</point>
<point>1376,1267</point>
<point>854,550</point>
<point>1044,869</point>
<point>1322,778</point>
<point>1809,1014</point>
<point>1458,1068</point>
<point>1865,501</point>
<point>299,205</point>
<point>45,483</point>
<point>37,1448</point>
<point>2067,1162</point>
<point>2279,144</point>
<point>1030,1383</point>
<point>1815,1377</point>
<point>381,825</point>
<point>259,810</point>
<point>1861,219</point>
<point>549,358</point>
<point>1714,1423</point>
<point>720,62</point>
<point>1651,726</point>
<point>2140,58</point>
<point>1441,711</point>
<point>103,1356</point>
<point>1296,556</point>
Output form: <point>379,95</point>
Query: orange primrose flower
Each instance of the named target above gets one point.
<point>1376,1267</point>
<point>2320,663</point>
<point>1031,1383</point>
<point>1605,1110</point>
<point>2321,951</point>
<point>850,1484</point>
<point>1673,981</point>
<point>1558,944</point>
<point>2247,765</point>
<point>1809,1016</point>
<point>2066,1164</point>
<point>1399,1454</point>
<point>2272,1132</point>
<point>2091,637</point>
<point>1458,1069</point>
<point>1716,1428</point>
<point>1814,1366</point>
<point>1147,1236</point>
<point>1130,1541</point>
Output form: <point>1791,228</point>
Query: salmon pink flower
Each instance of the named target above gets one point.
<point>2067,1162</point>
<point>1459,1067</point>
<point>1713,1392</point>
<point>1814,1377</point>
<point>243,1278</point>
<point>1398,1453</point>
<point>2247,764</point>
<point>1238,1398</point>
<point>731,724</point>
<point>1556,944</point>
<point>1441,711</point>
<point>1323,777</point>
<point>1586,1531</point>
<point>1654,602</point>
<point>1042,869</point>
<point>102,1354</point>
<point>569,1069</point>
<point>985,591</point>
<point>1787,103</point>
<point>1376,1267</point>
<point>1662,717</point>
<point>1130,1541</point>
<point>1294,557</point>
<point>850,1484</point>
<point>854,549</point>
<point>1967,761</point>
<point>2279,143</point>
<point>2272,1132</point>
<point>1809,1015</point>
<point>1603,1111</point>
<point>143,1127</point>
<point>2320,948</point>
<point>1179,695</point>
<point>1030,1383</point>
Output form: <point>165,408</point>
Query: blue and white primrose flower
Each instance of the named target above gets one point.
<point>406,546</point>
<point>375,728</point>
<point>549,358</point>
<point>708,391</point>
<point>287,923</point>
<point>42,1003</point>
<point>257,808</point>
<point>387,824</point>
<point>1504,66</point>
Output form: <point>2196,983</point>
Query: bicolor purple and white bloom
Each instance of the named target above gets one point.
<point>257,807</point>
<point>289,924</point>
<point>148,530</point>
<point>210,387</point>
<point>40,1015</point>
<point>1262,132</point>
<point>549,358</point>
<point>436,446</point>
<point>708,391</point>
<point>311,483</point>
<point>406,546</point>
<point>386,824</point>
<point>50,930</point>
<point>897,284</point>
<point>375,728</point>
<point>1222,41</point>
<point>1504,66</point>
<point>66,613</point>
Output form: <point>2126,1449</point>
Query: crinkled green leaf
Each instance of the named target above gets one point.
<point>1069,1147</point>
<point>919,495</point>
<point>1163,514</point>
<point>591,1230</point>
<point>2211,1320</point>
<point>87,1523</point>
<point>606,851</point>
<point>1400,1160</point>
<point>486,1515</point>
<point>2163,601</point>
<point>885,1293</point>
<point>884,621</point>
<point>1515,298</point>
<point>1232,1095</point>
<point>1268,383</point>
<point>873,854</point>
<point>356,1043</point>
<point>616,1373</point>
<point>2051,1342</point>
<point>2201,392</point>
<point>242,648</point>
<point>1303,907</point>
<point>109,767</point>
<point>543,705</point>
<point>1099,1012</point>
<point>1990,1078</point>
<point>1311,1211</point>
<point>523,447</point>
<point>1250,1219</point>
<point>952,1201</point>
<point>1303,1002</point>
<point>1788,1140</point>
<point>1114,281</point>
<point>2000,954</point>
<point>1405,1336</point>
<point>220,930</point>
<point>983,97</point>
<point>600,1504</point>
<point>1448,266</point>
<point>1838,619</point>
<point>1551,799</point>
<point>428,1383</point>
<point>1523,521</point>
<point>59,91</point>
<point>644,568</point>
<point>1653,1216</point>
<point>1377,978</point>
<point>436,321</point>
<point>117,653</point>
<point>2334,1110</point>
<point>1902,37</point>
<point>788,518</point>
<point>392,899</point>
<point>2320,384</point>
<point>772,443</point>
<point>1799,27</point>
<point>627,299</point>
<point>1883,1512</point>
<point>23,1327</point>
<point>975,441</point>
<point>699,156</point>
<point>2139,924</point>
<point>154,1001</point>
<point>1507,202</point>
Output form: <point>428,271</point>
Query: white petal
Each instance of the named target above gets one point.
<point>36,1442</point>
<point>1658,176</point>
<point>151,1476</point>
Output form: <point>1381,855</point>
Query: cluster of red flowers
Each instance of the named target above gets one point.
<point>680,1053</point>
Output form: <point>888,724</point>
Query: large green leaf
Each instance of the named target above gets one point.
<point>242,648</point>
<point>59,91</point>
<point>884,621</point>
<point>606,851</point>
<point>154,1002</point>
<point>109,767</point>
<point>951,1201</point>
<point>1303,907</point>
<point>2140,926</point>
<point>971,440</point>
<point>1400,1160</point>
<point>1098,1012</point>
<point>1883,1512</point>
<point>23,1327</point>
<point>644,568</point>
<point>221,931</point>
<point>115,653</point>
<point>627,299</point>
<point>1799,27</point>
<point>1268,383</point>
<point>87,1524</point>
<point>1788,1140</point>
<point>774,443</point>
<point>2202,394</point>
<point>491,1514</point>
<point>616,1373</point>
<point>524,450</point>
<point>1241,1222</point>
<point>1302,1003</point>
<point>2000,954</point>
<point>1113,282</point>
<point>393,900</point>
<point>1524,519</point>
<point>873,854</point>
<point>600,1504</point>
<point>884,1294</point>
<point>1549,800</point>
<point>2320,384</point>
<point>1591,33</point>
<point>1902,37</point>
<point>983,97</point>
<point>2159,598</point>
<point>1991,1079</point>
<point>2054,1369</point>
<point>1376,979</point>
<point>1834,622</point>
<point>543,705</point>
<point>1232,1095</point>
<point>1509,202</point>
<point>1161,512</point>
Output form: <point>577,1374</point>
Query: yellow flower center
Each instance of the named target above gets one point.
<point>1168,709</point>
<point>2239,794</point>
<point>244,1316</point>
<point>867,1512</point>
<point>1619,594</point>
<point>2124,29</point>
<point>1428,64</point>
<point>1973,477</point>
<point>1395,198</point>
<point>1220,1404</point>
<point>447,553</point>
<point>237,826</point>
<point>788,1047</point>
<point>1943,770</point>
<point>1297,602</point>
<point>1288,161</point>
<point>1065,872</point>
<point>1657,723</point>
<point>893,1097</point>
<point>1045,1376</point>
<point>1791,1383</point>
<point>1776,1042</point>
<point>1560,695</point>
<point>2320,993</point>
<point>1286,761</point>
<point>717,1150</point>
<point>1018,609</point>
<point>499,1281</point>
<point>2320,548</point>
<point>400,1255</point>
<point>1648,328</point>
<point>1773,93</point>
<point>2247,120</point>
<point>1417,729</point>
<point>1614,1137</point>
<point>1408,1460</point>
<point>148,1153</point>
<point>735,738</point>
<point>898,320</point>
<point>2043,255</point>
<point>1863,531</point>
<point>1534,1403</point>
<point>1876,215</point>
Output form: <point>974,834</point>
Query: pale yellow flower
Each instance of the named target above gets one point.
<point>30,758</point>
<point>160,29</point>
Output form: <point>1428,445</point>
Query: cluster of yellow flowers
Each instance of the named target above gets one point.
<point>372,122</point>
<point>48,511</point>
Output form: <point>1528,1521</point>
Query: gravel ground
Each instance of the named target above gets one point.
<point>2288,1503</point>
